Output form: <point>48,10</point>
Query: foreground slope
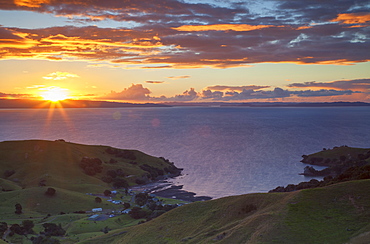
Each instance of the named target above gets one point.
<point>334,214</point>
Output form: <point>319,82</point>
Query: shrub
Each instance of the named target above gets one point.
<point>120,183</point>
<point>18,208</point>
<point>52,229</point>
<point>141,199</point>
<point>28,225</point>
<point>137,213</point>
<point>50,192</point>
<point>98,200</point>
<point>112,173</point>
<point>107,193</point>
<point>3,227</point>
<point>91,166</point>
<point>107,179</point>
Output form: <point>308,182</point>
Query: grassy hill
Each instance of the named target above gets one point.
<point>57,163</point>
<point>28,168</point>
<point>335,214</point>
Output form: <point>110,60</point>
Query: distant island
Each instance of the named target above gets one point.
<point>27,103</point>
<point>63,192</point>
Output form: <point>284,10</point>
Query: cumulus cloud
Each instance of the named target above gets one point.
<point>188,95</point>
<point>136,92</point>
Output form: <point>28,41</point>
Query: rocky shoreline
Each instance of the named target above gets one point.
<point>164,188</point>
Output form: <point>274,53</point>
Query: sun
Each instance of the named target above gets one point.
<point>54,94</point>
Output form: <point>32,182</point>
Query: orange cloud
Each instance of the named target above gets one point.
<point>353,18</point>
<point>75,42</point>
<point>221,27</point>
<point>31,3</point>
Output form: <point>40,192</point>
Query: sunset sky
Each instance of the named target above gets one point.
<point>186,50</point>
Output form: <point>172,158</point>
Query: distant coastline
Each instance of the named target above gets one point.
<point>26,103</point>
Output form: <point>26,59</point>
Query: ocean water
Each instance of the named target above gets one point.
<point>224,151</point>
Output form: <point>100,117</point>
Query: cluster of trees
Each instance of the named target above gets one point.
<point>336,166</point>
<point>91,166</point>
<point>352,173</point>
<point>153,172</point>
<point>115,177</point>
<point>127,154</point>
<point>22,229</point>
<point>152,208</point>
<point>51,229</point>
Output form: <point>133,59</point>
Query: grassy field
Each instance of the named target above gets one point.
<point>335,214</point>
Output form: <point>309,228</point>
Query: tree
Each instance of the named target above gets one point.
<point>3,227</point>
<point>50,192</point>
<point>126,205</point>
<point>107,193</point>
<point>52,229</point>
<point>18,208</point>
<point>141,199</point>
<point>137,213</point>
<point>112,173</point>
<point>28,225</point>
<point>120,183</point>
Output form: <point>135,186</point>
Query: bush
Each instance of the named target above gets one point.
<point>107,193</point>
<point>91,166</point>
<point>141,199</point>
<point>137,213</point>
<point>120,183</point>
<point>50,192</point>
<point>28,225</point>
<point>52,229</point>
<point>3,227</point>
<point>107,179</point>
<point>18,208</point>
<point>112,173</point>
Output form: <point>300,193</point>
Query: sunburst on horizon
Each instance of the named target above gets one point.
<point>55,94</point>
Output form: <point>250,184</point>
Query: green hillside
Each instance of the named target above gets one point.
<point>57,164</point>
<point>333,214</point>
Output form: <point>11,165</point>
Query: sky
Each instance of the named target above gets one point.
<point>185,50</point>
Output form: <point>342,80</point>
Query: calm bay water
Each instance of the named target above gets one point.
<point>224,151</point>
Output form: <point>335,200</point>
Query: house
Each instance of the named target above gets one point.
<point>97,210</point>
<point>93,217</point>
<point>126,211</point>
